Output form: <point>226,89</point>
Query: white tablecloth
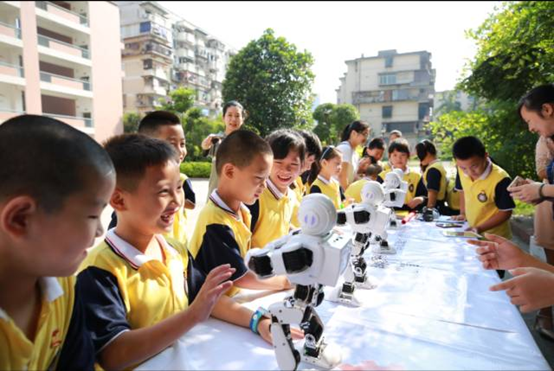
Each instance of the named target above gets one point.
<point>432,309</point>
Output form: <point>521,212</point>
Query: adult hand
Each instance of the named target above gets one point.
<point>528,193</point>
<point>216,283</point>
<point>498,252</point>
<point>207,143</point>
<point>530,289</point>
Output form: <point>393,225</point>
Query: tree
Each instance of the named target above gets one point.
<point>131,122</point>
<point>197,127</point>
<point>515,53</point>
<point>332,119</point>
<point>273,81</point>
<point>180,101</point>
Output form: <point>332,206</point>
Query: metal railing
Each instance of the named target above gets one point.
<point>45,4</point>
<point>47,77</point>
<point>15,28</point>
<point>89,123</point>
<point>45,41</point>
<point>19,69</point>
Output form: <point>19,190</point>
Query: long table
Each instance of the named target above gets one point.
<point>431,310</point>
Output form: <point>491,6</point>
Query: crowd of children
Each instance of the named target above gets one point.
<point>148,283</point>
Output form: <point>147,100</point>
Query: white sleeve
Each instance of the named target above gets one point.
<point>346,151</point>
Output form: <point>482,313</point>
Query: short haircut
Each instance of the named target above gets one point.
<point>240,148</point>
<point>425,147</point>
<point>373,170</point>
<point>132,154</point>
<point>313,144</point>
<point>283,141</point>
<point>467,147</point>
<point>536,98</point>
<point>48,160</point>
<point>400,145</point>
<point>377,143</point>
<point>150,124</point>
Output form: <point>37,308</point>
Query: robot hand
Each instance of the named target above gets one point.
<point>430,214</point>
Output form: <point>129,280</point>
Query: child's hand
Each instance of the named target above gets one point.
<point>264,328</point>
<point>498,253</point>
<point>531,288</point>
<point>214,286</point>
<point>415,202</point>
<point>461,217</point>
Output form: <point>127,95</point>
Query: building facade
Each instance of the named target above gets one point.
<point>163,52</point>
<point>62,59</point>
<point>392,91</point>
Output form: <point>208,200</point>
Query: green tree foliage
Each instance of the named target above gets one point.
<point>332,119</point>
<point>515,53</point>
<point>180,101</point>
<point>273,81</point>
<point>197,127</point>
<point>130,122</point>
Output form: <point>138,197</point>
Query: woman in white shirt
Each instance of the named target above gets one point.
<point>353,135</point>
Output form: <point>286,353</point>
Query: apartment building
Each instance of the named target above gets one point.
<point>164,51</point>
<point>62,59</point>
<point>392,91</point>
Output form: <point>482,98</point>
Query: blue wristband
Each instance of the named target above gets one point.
<point>256,317</point>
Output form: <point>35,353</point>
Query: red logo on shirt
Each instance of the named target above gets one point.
<point>56,339</point>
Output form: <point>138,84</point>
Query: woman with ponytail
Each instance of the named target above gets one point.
<point>353,135</point>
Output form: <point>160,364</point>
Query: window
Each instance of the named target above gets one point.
<point>423,111</point>
<point>387,112</point>
<point>387,79</point>
<point>388,61</point>
<point>400,95</point>
<point>145,27</point>
<point>147,64</point>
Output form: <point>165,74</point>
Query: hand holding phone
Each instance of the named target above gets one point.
<point>518,181</point>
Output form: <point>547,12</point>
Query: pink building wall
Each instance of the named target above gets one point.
<point>106,74</point>
<point>30,57</point>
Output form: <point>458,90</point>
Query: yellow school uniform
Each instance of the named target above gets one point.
<point>124,289</point>
<point>354,190</point>
<point>221,236</point>
<point>413,180</point>
<point>485,196</point>
<point>330,188</point>
<point>299,189</point>
<point>61,340</point>
<point>441,186</point>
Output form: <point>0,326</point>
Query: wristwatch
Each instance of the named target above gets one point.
<point>256,318</point>
<point>541,195</point>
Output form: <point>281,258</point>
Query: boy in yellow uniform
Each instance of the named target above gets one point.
<point>399,154</point>
<point>272,213</point>
<point>167,126</point>
<point>434,177</point>
<point>142,291</point>
<point>354,190</point>
<point>484,198</point>
<point>55,182</point>
<point>222,234</point>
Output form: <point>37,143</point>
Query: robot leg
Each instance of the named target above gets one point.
<point>316,351</point>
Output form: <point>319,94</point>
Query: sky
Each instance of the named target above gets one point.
<point>334,32</point>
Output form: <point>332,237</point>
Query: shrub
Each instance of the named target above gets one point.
<point>196,169</point>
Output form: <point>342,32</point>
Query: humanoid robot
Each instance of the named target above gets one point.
<point>366,219</point>
<point>313,257</point>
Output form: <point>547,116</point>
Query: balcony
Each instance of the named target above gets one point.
<point>63,15</point>
<point>83,123</point>
<point>63,47</point>
<point>66,86</point>
<point>156,72</point>
<point>6,114</point>
<point>10,30</point>
<point>12,74</point>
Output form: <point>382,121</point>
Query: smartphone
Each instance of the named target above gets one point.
<point>448,225</point>
<point>516,182</point>
<point>465,234</point>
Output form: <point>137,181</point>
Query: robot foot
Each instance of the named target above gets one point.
<point>366,285</point>
<point>338,295</point>
<point>329,357</point>
<point>379,249</point>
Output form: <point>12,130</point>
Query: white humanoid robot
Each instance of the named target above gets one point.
<point>313,257</point>
<point>366,219</point>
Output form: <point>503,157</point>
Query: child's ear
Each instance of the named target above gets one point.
<point>228,170</point>
<point>16,215</point>
<point>117,201</point>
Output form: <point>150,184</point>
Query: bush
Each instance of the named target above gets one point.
<point>196,169</point>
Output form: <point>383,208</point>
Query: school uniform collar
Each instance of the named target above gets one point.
<point>325,181</point>
<point>50,290</point>
<point>218,201</point>
<point>405,172</point>
<point>487,171</point>
<point>128,252</point>
<point>272,188</point>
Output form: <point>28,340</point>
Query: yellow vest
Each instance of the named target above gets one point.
<point>330,189</point>
<point>479,199</point>
<point>354,190</point>
<point>442,190</point>
<point>453,195</point>
<point>412,178</point>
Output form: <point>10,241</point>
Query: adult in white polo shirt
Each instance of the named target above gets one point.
<point>353,135</point>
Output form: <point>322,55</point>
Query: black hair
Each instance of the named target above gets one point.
<point>425,147</point>
<point>376,143</point>
<point>467,147</point>
<point>233,103</point>
<point>240,148</point>
<point>132,154</point>
<point>150,123</point>
<point>357,126</point>
<point>399,145</point>
<point>283,141</point>
<point>48,160</point>
<point>373,169</point>
<point>313,144</point>
<point>536,98</point>
<point>328,153</point>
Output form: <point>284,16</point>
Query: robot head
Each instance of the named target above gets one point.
<point>393,179</point>
<point>372,193</point>
<point>317,215</point>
